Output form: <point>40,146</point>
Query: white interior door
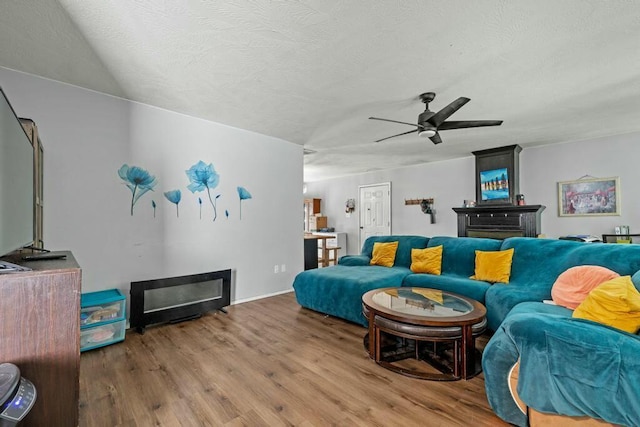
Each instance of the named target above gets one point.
<point>375,210</point>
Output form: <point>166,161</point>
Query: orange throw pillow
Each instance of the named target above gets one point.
<point>573,286</point>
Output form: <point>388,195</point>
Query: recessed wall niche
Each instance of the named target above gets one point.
<point>497,175</point>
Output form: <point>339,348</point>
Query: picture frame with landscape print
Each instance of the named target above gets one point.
<point>494,184</point>
<point>589,197</point>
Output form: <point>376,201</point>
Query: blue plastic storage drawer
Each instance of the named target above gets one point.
<point>103,334</point>
<point>101,307</point>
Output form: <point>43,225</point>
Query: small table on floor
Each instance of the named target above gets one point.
<point>430,325</point>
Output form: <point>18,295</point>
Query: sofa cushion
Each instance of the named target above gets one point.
<point>473,289</point>
<point>615,303</point>
<point>636,280</point>
<point>405,244</point>
<point>354,260</point>
<point>459,253</point>
<point>384,254</point>
<point>623,259</point>
<point>573,285</point>
<point>338,290</point>
<point>427,260</point>
<point>541,308</point>
<point>493,266</point>
<point>539,262</point>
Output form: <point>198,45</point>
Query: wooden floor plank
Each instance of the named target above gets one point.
<point>267,362</point>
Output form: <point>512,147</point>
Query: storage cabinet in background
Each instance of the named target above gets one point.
<point>40,333</point>
<point>102,318</point>
<point>311,208</point>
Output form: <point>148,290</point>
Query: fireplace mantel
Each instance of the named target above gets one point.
<point>499,222</point>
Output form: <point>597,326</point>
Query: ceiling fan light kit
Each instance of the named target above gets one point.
<point>427,133</point>
<point>429,123</point>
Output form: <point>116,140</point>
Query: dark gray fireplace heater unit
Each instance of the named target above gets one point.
<point>180,298</point>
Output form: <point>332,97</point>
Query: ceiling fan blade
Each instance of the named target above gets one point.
<point>438,118</point>
<point>395,121</point>
<point>436,138</point>
<point>393,136</point>
<point>468,124</point>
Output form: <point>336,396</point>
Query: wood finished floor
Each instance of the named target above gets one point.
<point>267,363</point>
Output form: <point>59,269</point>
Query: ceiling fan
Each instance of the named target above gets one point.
<point>429,123</point>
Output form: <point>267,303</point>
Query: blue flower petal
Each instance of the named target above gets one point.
<point>174,196</point>
<point>193,187</point>
<point>137,180</point>
<point>243,193</point>
<point>122,172</point>
<point>202,176</point>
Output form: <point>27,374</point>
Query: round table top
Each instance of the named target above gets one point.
<point>424,306</point>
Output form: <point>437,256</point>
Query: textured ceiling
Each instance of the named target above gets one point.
<point>312,71</point>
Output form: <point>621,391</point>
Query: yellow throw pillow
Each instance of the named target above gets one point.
<point>427,260</point>
<point>614,303</point>
<point>494,266</point>
<point>384,254</point>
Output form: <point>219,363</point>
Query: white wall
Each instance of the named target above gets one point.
<point>542,168</point>
<point>88,136</point>
<point>450,182</point>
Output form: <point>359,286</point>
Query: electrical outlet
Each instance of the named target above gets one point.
<point>275,268</point>
<point>283,268</point>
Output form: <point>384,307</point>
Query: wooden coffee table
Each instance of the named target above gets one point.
<point>429,325</point>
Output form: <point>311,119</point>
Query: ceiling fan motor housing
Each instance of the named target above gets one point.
<point>423,122</point>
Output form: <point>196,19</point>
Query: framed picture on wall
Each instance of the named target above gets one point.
<point>586,197</point>
<point>497,171</point>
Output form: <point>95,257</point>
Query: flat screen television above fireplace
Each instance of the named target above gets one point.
<point>178,298</point>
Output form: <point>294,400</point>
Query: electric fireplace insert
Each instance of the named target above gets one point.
<point>180,298</point>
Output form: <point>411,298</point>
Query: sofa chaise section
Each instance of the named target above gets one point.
<point>338,290</point>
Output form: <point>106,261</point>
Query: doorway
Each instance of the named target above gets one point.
<point>375,210</point>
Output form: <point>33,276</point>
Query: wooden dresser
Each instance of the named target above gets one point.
<point>40,333</point>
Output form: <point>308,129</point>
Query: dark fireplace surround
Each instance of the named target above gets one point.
<point>499,222</point>
<point>499,218</point>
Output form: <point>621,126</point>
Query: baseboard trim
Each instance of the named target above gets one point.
<point>243,300</point>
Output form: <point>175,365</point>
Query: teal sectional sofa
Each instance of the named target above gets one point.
<point>522,332</point>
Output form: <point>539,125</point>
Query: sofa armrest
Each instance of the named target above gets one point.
<point>567,366</point>
<point>352,260</point>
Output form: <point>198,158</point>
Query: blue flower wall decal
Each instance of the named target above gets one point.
<point>138,180</point>
<point>204,177</point>
<point>153,205</point>
<point>174,196</point>
<point>243,194</point>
